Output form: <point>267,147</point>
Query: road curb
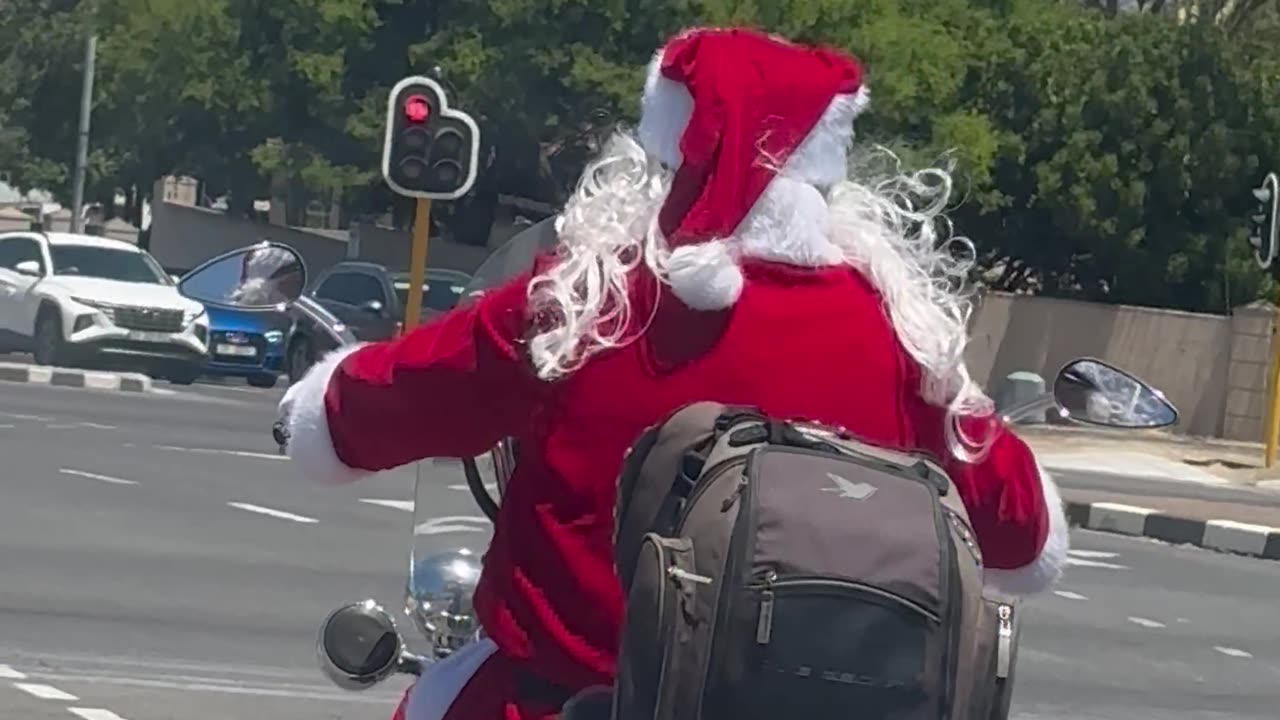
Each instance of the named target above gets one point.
<point>70,377</point>
<point>1222,535</point>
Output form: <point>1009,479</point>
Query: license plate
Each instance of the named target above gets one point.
<point>152,337</point>
<point>237,350</point>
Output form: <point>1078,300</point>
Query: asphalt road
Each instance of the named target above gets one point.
<point>158,560</point>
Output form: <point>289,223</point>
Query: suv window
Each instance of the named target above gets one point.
<point>14,250</point>
<point>351,288</point>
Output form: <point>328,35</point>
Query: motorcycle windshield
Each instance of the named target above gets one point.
<point>514,257</point>
<point>445,518</point>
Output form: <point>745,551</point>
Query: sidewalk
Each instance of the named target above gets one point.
<point>1231,527</point>
<point>1201,491</point>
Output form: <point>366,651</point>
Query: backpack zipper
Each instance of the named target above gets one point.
<point>770,584</point>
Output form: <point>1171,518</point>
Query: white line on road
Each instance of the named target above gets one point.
<point>95,476</point>
<point>59,427</point>
<point>273,513</point>
<point>406,505</point>
<point>16,416</point>
<point>295,692</point>
<point>1145,622</point>
<point>8,673</point>
<point>1096,554</point>
<point>235,453</point>
<point>1233,652</point>
<point>94,714</point>
<point>97,426</point>
<point>1069,595</point>
<point>1081,562</point>
<point>44,692</point>
<point>6,427</point>
<point>451,524</point>
<point>491,487</point>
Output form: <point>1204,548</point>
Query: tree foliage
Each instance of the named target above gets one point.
<point>1102,155</point>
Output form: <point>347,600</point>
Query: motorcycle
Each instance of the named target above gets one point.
<point>360,644</point>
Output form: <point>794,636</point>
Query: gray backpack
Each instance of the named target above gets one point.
<point>783,570</point>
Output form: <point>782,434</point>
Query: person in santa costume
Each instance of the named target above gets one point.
<point>721,252</point>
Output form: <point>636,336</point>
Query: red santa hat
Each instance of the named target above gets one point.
<point>755,127</point>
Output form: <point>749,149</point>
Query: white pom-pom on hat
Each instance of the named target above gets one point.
<point>705,276</point>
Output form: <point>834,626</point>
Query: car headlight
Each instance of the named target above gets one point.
<point>104,308</point>
<point>275,337</point>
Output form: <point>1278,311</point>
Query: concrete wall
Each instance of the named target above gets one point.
<point>1212,367</point>
<point>183,236</point>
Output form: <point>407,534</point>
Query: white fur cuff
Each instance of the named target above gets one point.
<point>1044,571</point>
<point>310,444</point>
<point>705,276</point>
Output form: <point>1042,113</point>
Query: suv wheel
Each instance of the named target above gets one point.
<point>262,381</point>
<point>183,376</point>
<point>48,345</point>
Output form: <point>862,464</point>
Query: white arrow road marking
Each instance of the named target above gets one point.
<point>1145,622</point>
<point>451,523</point>
<point>8,673</point>
<point>45,692</point>
<point>1233,652</point>
<point>394,504</point>
<point>96,476</point>
<point>273,513</point>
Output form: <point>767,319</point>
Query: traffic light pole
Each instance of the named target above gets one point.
<point>417,262</point>
<point>1264,236</point>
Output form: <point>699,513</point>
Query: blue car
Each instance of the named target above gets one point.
<point>247,344</point>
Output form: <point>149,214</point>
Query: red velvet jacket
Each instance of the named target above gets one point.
<point>800,342</point>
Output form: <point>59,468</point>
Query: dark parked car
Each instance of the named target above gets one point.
<point>370,301</point>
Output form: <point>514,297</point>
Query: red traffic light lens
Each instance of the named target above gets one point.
<point>416,109</point>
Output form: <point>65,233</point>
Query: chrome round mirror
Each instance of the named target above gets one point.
<point>266,275</point>
<point>359,646</point>
<point>1091,391</point>
<point>438,599</point>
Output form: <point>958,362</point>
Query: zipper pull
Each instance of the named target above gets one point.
<point>764,625</point>
<point>677,574</point>
<point>1004,641</point>
<point>733,497</point>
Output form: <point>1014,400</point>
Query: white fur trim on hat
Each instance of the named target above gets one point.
<point>1044,571</point>
<point>705,276</point>
<point>310,444</point>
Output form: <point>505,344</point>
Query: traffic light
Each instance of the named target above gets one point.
<point>1264,225</point>
<point>430,150</point>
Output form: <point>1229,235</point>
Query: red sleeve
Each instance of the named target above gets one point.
<point>1012,503</point>
<point>450,388</point>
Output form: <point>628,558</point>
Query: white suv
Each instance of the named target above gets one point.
<point>67,298</point>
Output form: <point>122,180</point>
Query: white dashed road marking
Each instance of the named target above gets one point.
<point>45,692</point>
<point>1069,595</point>
<point>491,487</point>
<point>273,513</point>
<point>8,673</point>
<point>406,505</point>
<point>233,453</point>
<point>1145,622</point>
<point>94,714</point>
<point>96,476</point>
<point>1233,652</point>
<point>1098,554</point>
<point>452,524</point>
<point>1081,562</point>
